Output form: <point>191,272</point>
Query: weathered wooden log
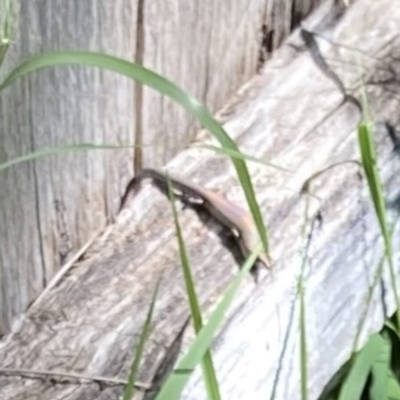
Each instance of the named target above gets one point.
<point>294,115</point>
<point>209,48</point>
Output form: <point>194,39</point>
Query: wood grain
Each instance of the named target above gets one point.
<point>292,115</point>
<point>50,208</point>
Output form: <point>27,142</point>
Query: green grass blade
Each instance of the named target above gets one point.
<point>210,377</point>
<point>364,315</point>
<point>302,313</point>
<point>391,327</point>
<point>59,150</point>
<point>331,390</point>
<point>240,155</point>
<point>5,28</point>
<point>355,381</point>
<point>175,383</point>
<point>380,370</point>
<point>300,294</point>
<point>130,387</point>
<point>393,387</point>
<point>377,278</point>
<point>162,85</point>
<point>368,158</point>
<point>303,343</point>
<point>3,51</point>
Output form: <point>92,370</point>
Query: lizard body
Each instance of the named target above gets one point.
<point>229,214</point>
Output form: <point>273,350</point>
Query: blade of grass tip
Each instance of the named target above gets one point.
<point>368,158</point>
<point>356,380</point>
<point>240,155</point>
<point>130,386</point>
<point>162,85</point>
<point>175,383</point>
<point>210,377</point>
<point>59,150</point>
<point>364,100</point>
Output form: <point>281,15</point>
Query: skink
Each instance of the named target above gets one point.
<point>230,215</point>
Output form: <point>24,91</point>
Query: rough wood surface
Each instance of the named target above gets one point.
<point>44,204</point>
<point>53,206</point>
<point>292,115</point>
<point>210,48</point>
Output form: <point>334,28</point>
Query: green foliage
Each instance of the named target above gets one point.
<point>175,383</point>
<point>368,156</point>
<point>59,150</point>
<point>371,373</point>
<point>210,377</point>
<point>368,374</point>
<point>242,156</point>
<point>130,387</point>
<point>370,359</point>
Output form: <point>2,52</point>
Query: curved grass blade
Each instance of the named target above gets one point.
<point>61,149</point>
<point>175,383</point>
<point>130,386</point>
<point>240,155</point>
<point>308,181</point>
<point>149,78</point>
<point>210,377</point>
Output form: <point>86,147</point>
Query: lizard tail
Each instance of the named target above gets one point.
<point>130,191</point>
<point>134,184</point>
